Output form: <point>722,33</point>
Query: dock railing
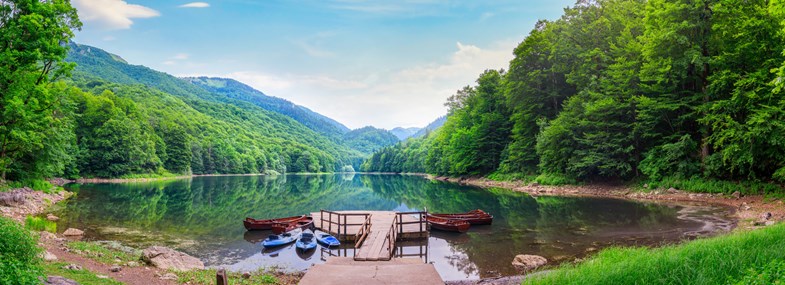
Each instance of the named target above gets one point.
<point>420,220</point>
<point>392,236</point>
<point>341,224</point>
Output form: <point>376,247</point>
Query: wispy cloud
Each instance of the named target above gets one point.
<point>112,14</point>
<point>181,56</point>
<point>195,5</point>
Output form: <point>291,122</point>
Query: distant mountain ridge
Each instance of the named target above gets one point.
<point>404,133</point>
<point>431,127</point>
<point>237,90</point>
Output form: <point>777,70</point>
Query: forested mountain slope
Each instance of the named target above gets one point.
<point>237,90</point>
<point>369,139</point>
<point>404,133</point>
<point>659,89</point>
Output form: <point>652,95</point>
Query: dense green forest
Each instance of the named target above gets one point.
<point>622,90</point>
<point>77,111</point>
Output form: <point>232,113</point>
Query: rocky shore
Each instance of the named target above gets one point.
<point>22,202</point>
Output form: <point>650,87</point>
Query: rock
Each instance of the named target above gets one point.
<point>117,261</point>
<point>59,280</point>
<point>48,235</point>
<point>744,207</point>
<point>48,256</point>
<point>102,276</point>
<point>72,267</point>
<point>769,223</point>
<point>646,186</point>
<point>534,184</point>
<point>672,190</point>
<point>115,268</point>
<point>736,195</point>
<point>73,232</point>
<point>132,264</point>
<point>52,218</point>
<point>528,262</point>
<point>168,276</point>
<point>590,249</point>
<point>167,258</point>
<point>247,275</point>
<point>765,216</point>
<point>14,198</point>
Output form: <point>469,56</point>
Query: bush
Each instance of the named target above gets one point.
<point>19,261</point>
<point>554,179</point>
<point>773,273</point>
<point>40,224</point>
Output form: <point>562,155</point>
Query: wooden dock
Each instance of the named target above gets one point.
<point>373,232</point>
<point>342,270</point>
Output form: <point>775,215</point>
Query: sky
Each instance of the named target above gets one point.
<point>361,62</point>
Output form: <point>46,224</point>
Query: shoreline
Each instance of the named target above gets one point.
<point>747,210</point>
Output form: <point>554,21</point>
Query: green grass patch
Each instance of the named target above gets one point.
<point>35,184</point>
<point>107,253</point>
<point>207,277</point>
<point>702,185</point>
<point>773,273</point>
<point>83,277</point>
<point>718,260</point>
<point>40,224</point>
<point>525,178</point>
<point>555,179</point>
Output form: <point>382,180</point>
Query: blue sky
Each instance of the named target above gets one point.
<point>361,62</point>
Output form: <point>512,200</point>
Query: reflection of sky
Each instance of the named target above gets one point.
<point>403,208</point>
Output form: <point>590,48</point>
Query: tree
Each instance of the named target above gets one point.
<point>33,38</point>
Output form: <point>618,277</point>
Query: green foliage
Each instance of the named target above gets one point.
<point>83,277</point>
<point>772,273</point>
<point>103,253</point>
<point>19,261</point>
<point>40,224</point>
<point>369,139</point>
<point>31,54</point>
<point>717,260</point>
<point>709,185</point>
<point>554,179</point>
<point>631,90</point>
<point>207,277</point>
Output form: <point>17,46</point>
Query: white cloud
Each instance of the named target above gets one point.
<point>181,56</point>
<point>112,14</point>
<point>195,5</point>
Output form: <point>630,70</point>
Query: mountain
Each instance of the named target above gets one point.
<point>229,129</point>
<point>430,127</point>
<point>369,139</point>
<point>237,90</point>
<point>404,133</point>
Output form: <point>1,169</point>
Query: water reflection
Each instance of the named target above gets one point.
<point>202,216</point>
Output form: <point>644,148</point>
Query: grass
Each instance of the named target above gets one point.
<point>207,277</point>
<point>555,179</point>
<point>83,277</point>
<point>104,253</point>
<point>701,185</point>
<point>35,184</point>
<point>773,273</point>
<point>719,260</point>
<point>40,224</point>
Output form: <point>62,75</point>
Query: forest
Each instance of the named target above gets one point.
<point>622,90</point>
<point>73,111</point>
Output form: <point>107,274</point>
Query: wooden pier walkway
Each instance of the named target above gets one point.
<point>343,270</point>
<point>373,232</point>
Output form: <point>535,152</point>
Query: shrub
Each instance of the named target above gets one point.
<point>19,261</point>
<point>40,224</point>
<point>554,179</point>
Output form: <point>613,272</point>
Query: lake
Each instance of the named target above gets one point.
<point>203,217</point>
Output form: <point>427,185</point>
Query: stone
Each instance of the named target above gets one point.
<point>117,261</point>
<point>169,276</point>
<point>48,235</point>
<point>765,216</point>
<point>48,256</point>
<point>769,223</point>
<point>52,218</point>
<point>534,184</point>
<point>73,232</point>
<point>247,275</point>
<point>13,198</point>
<point>102,276</point>
<point>115,268</point>
<point>59,280</point>
<point>672,190</point>
<point>72,267</point>
<point>736,194</point>
<point>528,262</point>
<point>167,258</point>
<point>646,186</point>
<point>132,264</point>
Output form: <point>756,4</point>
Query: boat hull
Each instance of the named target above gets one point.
<point>252,224</point>
<point>449,225</point>
<point>474,217</point>
<point>327,240</point>
<point>279,240</point>
<point>280,228</point>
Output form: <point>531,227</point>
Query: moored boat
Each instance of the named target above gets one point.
<point>254,224</point>
<point>326,239</point>
<point>474,217</point>
<point>281,239</point>
<point>451,225</point>
<point>279,228</point>
<point>306,241</point>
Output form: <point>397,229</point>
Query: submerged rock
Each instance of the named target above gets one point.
<point>167,258</point>
<point>73,232</point>
<point>528,262</point>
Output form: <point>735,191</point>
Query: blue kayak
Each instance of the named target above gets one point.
<point>326,239</point>
<point>306,241</point>
<point>282,239</point>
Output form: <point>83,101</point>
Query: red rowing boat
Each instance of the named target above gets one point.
<point>279,228</point>
<point>451,225</point>
<point>474,217</point>
<point>254,224</point>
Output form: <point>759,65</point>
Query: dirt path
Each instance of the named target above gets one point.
<point>749,210</point>
<point>139,275</point>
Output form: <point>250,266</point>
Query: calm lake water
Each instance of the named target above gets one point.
<point>203,217</point>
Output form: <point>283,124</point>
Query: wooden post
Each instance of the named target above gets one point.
<point>220,277</point>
